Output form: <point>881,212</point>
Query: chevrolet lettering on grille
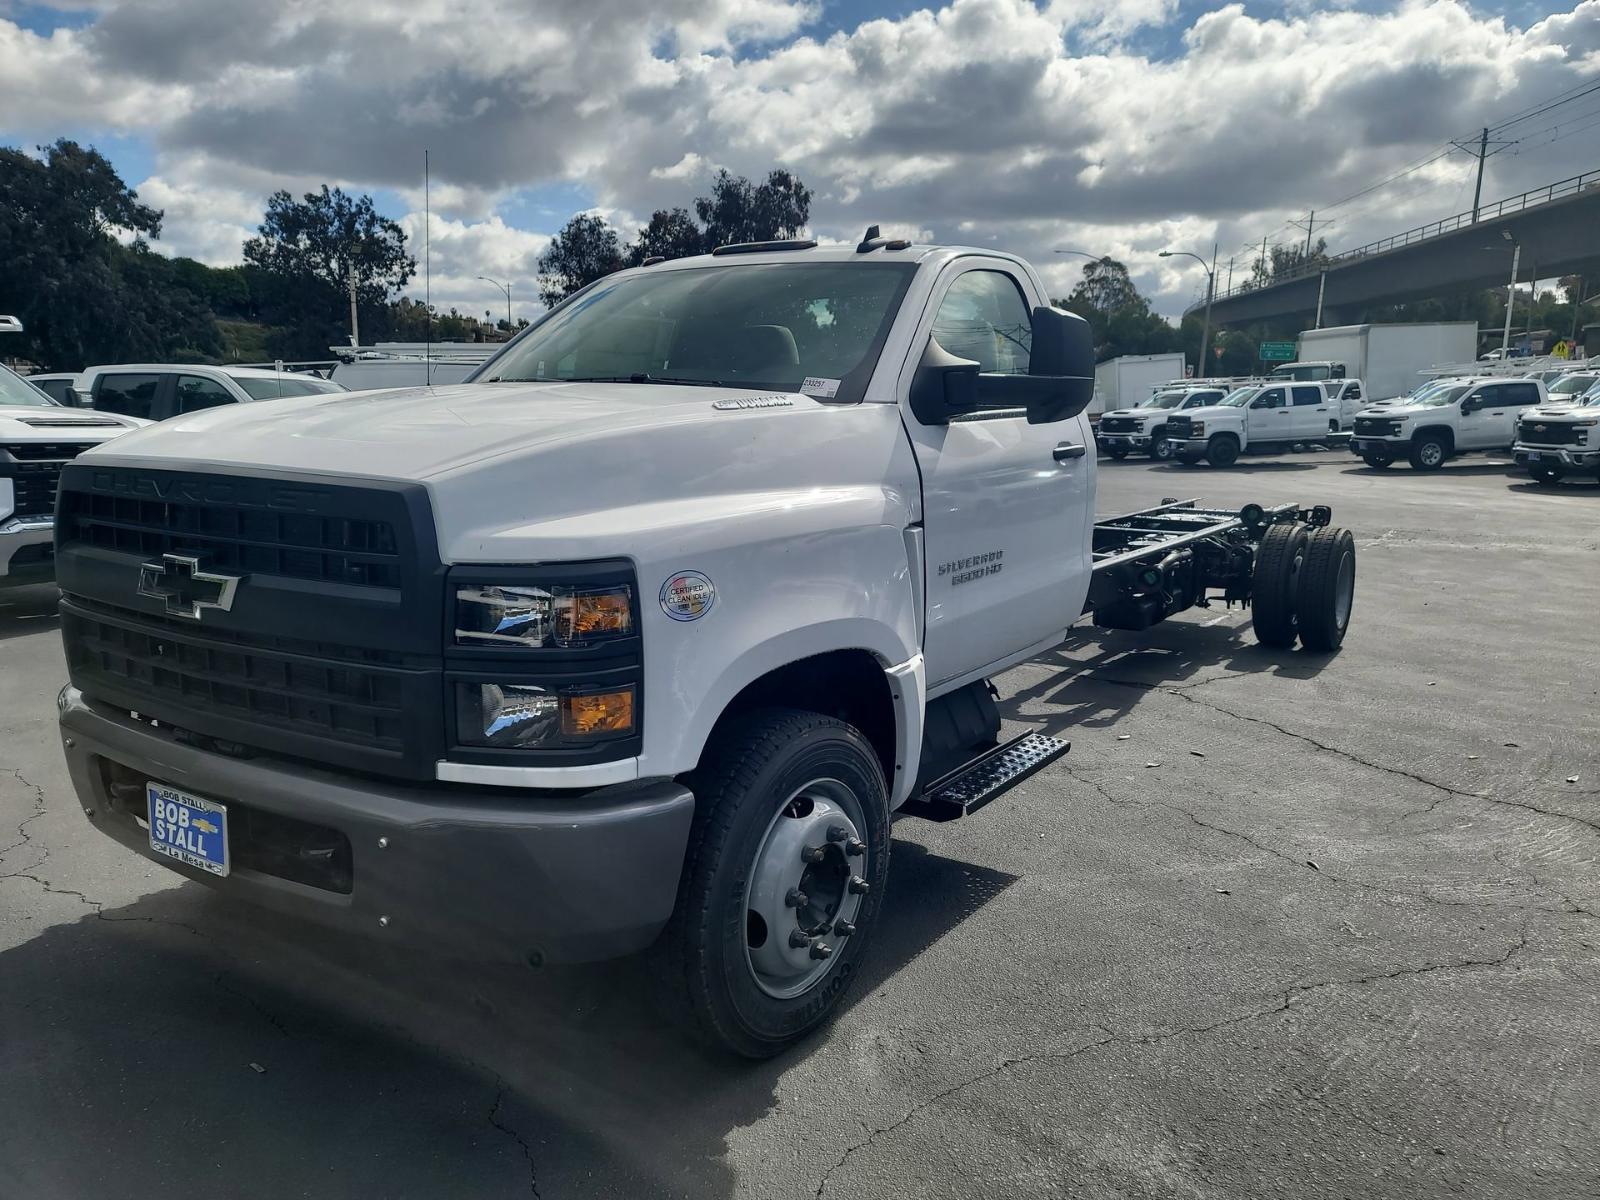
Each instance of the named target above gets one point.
<point>178,580</point>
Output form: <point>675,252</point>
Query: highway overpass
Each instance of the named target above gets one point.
<point>1557,226</point>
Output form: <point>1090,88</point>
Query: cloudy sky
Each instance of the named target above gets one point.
<point>1112,128</point>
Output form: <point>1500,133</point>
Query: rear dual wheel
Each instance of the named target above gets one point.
<point>1303,587</point>
<point>782,880</point>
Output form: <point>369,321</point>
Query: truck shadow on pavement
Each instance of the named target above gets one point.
<point>224,1050</point>
<point>1097,676</point>
<point>25,610</point>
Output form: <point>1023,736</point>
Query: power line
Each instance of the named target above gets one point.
<point>1545,107</point>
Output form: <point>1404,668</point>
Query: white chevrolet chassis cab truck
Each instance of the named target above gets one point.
<point>643,636</point>
<point>37,438</point>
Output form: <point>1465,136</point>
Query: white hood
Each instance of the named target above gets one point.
<point>42,423</point>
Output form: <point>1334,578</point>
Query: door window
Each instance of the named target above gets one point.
<point>1271,398</point>
<point>1307,395</point>
<point>196,392</point>
<point>983,317</point>
<point>129,395</point>
<point>1516,395</point>
<point>1352,391</point>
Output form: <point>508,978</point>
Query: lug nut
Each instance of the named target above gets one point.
<point>821,950</point>
<point>799,939</point>
<point>859,886</point>
<point>855,847</point>
<point>843,928</point>
<point>837,833</point>
<point>796,898</point>
<point>813,854</point>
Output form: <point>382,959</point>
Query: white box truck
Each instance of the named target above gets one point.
<point>1388,359</point>
<point>1127,382</point>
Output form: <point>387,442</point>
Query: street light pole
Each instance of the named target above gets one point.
<point>1511,296</point>
<point>506,288</point>
<point>1211,295</point>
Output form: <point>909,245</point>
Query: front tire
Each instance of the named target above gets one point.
<point>1275,584</point>
<point>1377,462</point>
<point>1160,448</point>
<point>1546,475</point>
<point>786,802</point>
<point>1222,451</point>
<point>1428,452</point>
<point>1119,455</point>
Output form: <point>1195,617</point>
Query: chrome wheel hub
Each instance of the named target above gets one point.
<point>806,888</point>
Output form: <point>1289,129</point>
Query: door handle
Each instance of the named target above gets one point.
<point>1067,450</point>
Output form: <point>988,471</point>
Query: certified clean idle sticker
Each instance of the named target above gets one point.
<point>687,596</point>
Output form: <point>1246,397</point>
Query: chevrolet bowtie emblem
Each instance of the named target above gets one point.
<point>187,589</point>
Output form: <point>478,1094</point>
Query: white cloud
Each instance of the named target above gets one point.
<point>996,121</point>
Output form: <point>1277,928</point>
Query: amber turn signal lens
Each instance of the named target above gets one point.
<point>600,712</point>
<point>592,615</point>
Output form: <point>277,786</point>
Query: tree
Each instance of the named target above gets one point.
<point>1288,262</point>
<point>740,211</point>
<point>84,297</point>
<point>304,258</point>
<point>1120,319</point>
<point>671,233</point>
<point>1105,288</point>
<point>586,249</point>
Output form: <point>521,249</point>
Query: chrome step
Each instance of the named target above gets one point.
<point>973,784</point>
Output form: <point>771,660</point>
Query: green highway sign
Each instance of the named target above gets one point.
<point>1277,351</point>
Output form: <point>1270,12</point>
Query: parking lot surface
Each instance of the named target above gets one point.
<point>1279,925</point>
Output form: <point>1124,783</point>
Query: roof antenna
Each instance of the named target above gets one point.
<point>427,274</point>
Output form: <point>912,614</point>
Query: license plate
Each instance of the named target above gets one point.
<point>191,829</point>
<point>1533,456</point>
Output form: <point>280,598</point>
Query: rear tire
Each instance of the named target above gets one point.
<point>1429,451</point>
<point>1222,450</point>
<point>1274,584</point>
<point>1327,589</point>
<point>768,778</point>
<point>1546,475</point>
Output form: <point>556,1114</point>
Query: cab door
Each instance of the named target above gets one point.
<point>1008,507</point>
<point>1475,425</point>
<point>1269,418</point>
<point>1309,409</point>
<point>1504,409</point>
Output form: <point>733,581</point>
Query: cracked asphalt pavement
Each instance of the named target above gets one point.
<point>1279,925</point>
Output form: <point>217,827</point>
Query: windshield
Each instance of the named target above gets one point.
<point>14,389</point>
<point>757,325</point>
<point>260,387</point>
<point>1443,396</point>
<point>1303,372</point>
<point>1572,385</point>
<point>1239,397</point>
<point>1166,400</point>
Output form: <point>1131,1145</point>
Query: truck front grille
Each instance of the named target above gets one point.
<point>1551,433</point>
<point>330,646</point>
<point>1376,427</point>
<point>34,469</point>
<point>1178,427</point>
<point>1118,425</point>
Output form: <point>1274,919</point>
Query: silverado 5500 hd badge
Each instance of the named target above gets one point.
<point>965,570</point>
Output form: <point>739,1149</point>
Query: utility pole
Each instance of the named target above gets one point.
<point>1481,153</point>
<point>355,327</point>
<point>1321,288</point>
<point>1511,296</point>
<point>1309,224</point>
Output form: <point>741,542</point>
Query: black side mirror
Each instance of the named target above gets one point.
<point>1471,404</point>
<point>1060,379</point>
<point>944,385</point>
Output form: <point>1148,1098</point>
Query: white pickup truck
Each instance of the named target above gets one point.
<point>1143,428</point>
<point>644,635</point>
<point>37,438</point>
<point>1561,439</point>
<point>1470,415</point>
<point>1257,417</point>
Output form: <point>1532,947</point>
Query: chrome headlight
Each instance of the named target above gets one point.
<point>530,617</point>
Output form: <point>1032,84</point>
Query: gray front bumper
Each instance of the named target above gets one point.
<point>486,873</point>
<point>1564,456</point>
<point>17,534</point>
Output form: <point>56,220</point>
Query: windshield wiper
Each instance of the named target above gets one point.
<point>637,377</point>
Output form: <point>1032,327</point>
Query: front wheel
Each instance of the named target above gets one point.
<point>1546,474</point>
<point>1377,461</point>
<point>1222,451</point>
<point>1119,455</point>
<point>782,880</point>
<point>1160,448</point>
<point>1428,453</point>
